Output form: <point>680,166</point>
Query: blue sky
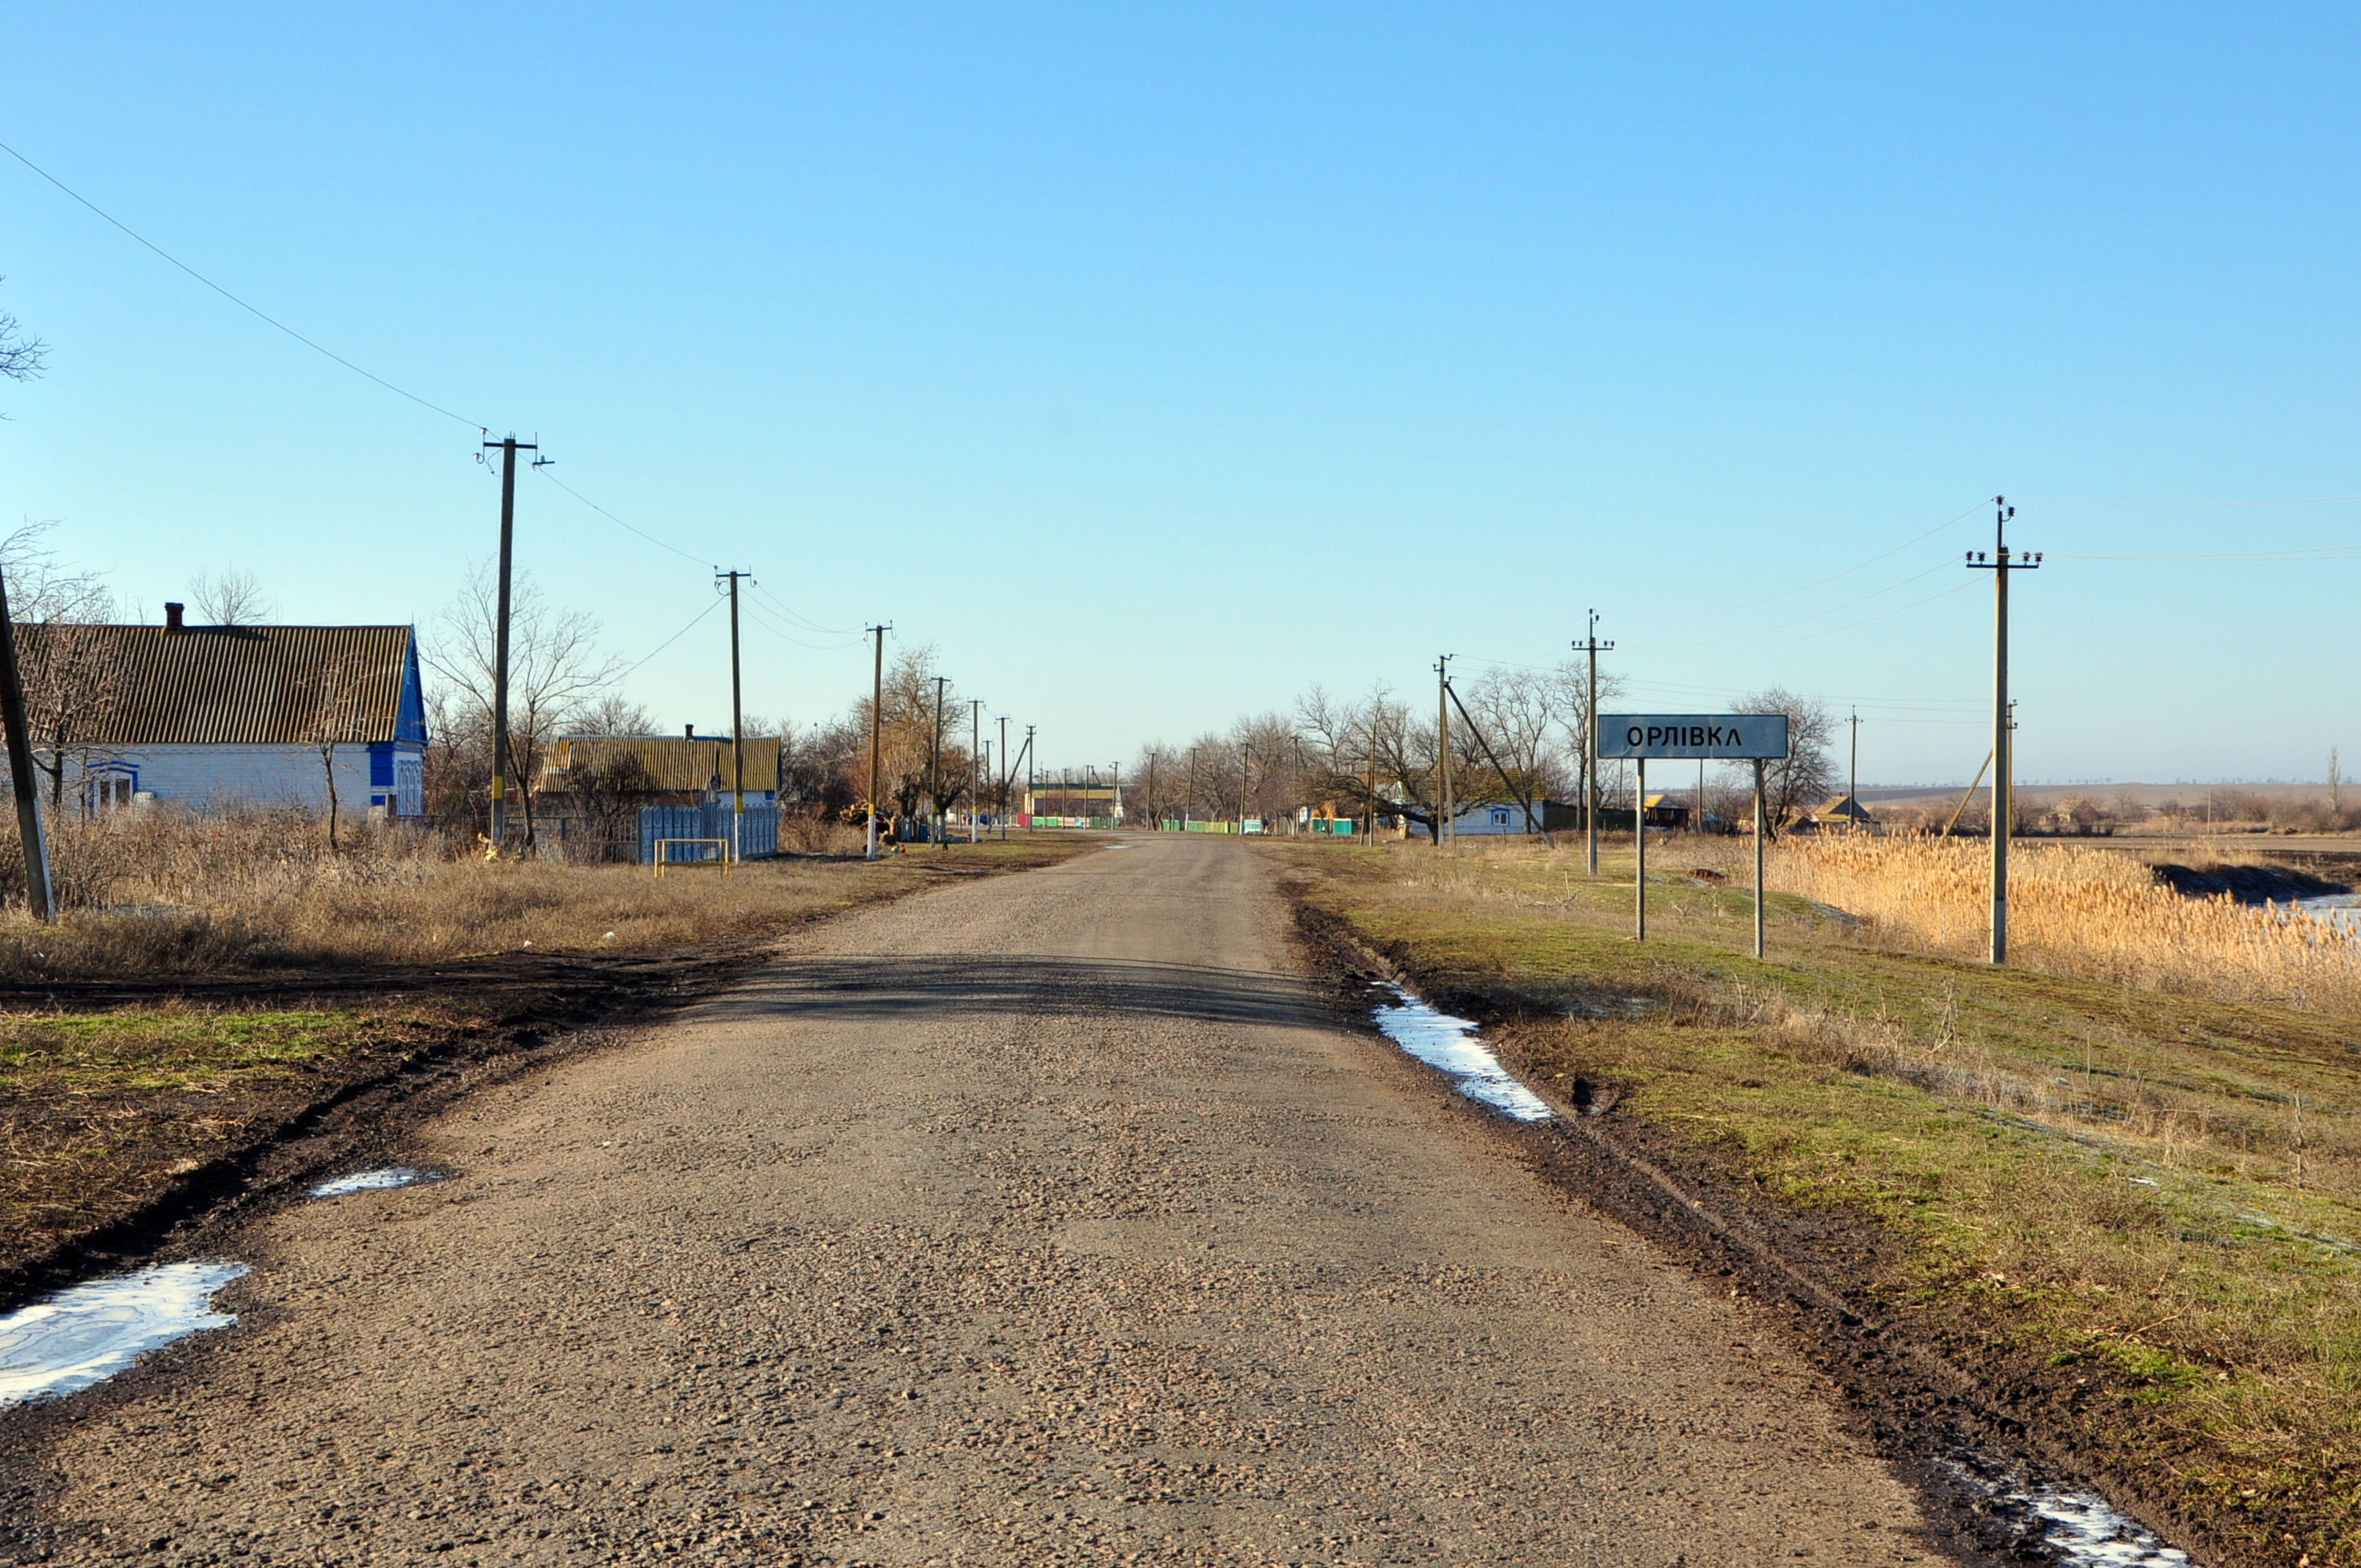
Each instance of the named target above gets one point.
<point>1155,364</point>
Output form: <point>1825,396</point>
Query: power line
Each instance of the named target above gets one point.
<point>2188,506</point>
<point>792,614</point>
<point>1849,571</point>
<point>1783,625</point>
<point>677,636</point>
<point>2309,553</point>
<point>618,522</point>
<point>233,299</point>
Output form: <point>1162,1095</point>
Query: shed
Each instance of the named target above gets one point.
<point>1843,811</point>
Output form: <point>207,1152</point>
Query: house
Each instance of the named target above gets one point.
<point>1841,811</point>
<point>1488,818</point>
<point>687,769</point>
<point>202,714</point>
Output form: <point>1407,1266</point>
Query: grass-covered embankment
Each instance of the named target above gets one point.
<point>2147,1204</point>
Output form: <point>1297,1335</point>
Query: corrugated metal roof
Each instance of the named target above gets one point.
<point>672,762</point>
<point>233,686</point>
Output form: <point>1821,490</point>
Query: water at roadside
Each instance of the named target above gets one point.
<point>373,1182</point>
<point>66,1342</point>
<point>1451,1044</point>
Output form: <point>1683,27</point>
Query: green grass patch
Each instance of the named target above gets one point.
<point>2157,1195</point>
<point>163,1048</point>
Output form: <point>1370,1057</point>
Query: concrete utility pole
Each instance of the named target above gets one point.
<point>1189,799</point>
<point>1001,806</point>
<point>37,892</point>
<point>1373,781</point>
<point>1115,771</point>
<point>1028,777</point>
<point>737,724</point>
<point>1442,747</point>
<point>1588,763</point>
<point>935,765</point>
<point>1246,754</point>
<point>876,731</point>
<point>2004,777</point>
<point>2335,801</point>
<point>508,448</point>
<point>1853,777</point>
<point>974,750</point>
<point>1155,817</point>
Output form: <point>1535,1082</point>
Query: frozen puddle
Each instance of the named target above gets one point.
<point>373,1182</point>
<point>73,1339</point>
<point>1450,1045</point>
<point>2080,1529</point>
<point>2085,1529</point>
<point>2341,910</point>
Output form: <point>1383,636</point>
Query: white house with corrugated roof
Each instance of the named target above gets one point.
<point>199,715</point>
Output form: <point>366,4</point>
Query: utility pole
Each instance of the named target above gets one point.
<point>1441,746</point>
<point>2003,778</point>
<point>1588,763</point>
<point>1001,806</point>
<point>1189,799</point>
<point>737,724</point>
<point>935,766</point>
<point>974,750</point>
<point>1028,777</point>
<point>2335,801</point>
<point>508,448</point>
<point>37,892</point>
<point>1155,817</point>
<point>876,730</point>
<point>1373,780</point>
<point>1853,777</point>
<point>1115,771</point>
<point>1246,755</point>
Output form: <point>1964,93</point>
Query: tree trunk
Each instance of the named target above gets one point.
<point>328,766</point>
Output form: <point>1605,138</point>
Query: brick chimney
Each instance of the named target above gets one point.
<point>689,731</point>
<point>172,616</point>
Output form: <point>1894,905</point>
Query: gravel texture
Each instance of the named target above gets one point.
<point>1045,1220</point>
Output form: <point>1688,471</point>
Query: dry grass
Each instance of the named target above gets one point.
<point>2142,1168</point>
<point>2078,911</point>
<point>179,893</point>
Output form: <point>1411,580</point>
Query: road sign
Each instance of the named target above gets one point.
<point>1732,736</point>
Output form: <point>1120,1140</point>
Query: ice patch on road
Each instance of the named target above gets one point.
<point>1115,845</point>
<point>79,1336</point>
<point>1450,1045</point>
<point>373,1182</point>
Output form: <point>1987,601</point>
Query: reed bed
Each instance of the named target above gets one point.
<point>2078,911</point>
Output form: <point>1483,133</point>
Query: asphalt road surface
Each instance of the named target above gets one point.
<point>1048,1219</point>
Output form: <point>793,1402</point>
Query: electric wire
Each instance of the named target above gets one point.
<point>233,299</point>
<point>542,470</point>
<point>1849,571</point>
<point>675,637</point>
<point>2259,557</point>
<point>756,616</point>
<point>2188,506</point>
<point>1783,625</point>
<point>783,607</point>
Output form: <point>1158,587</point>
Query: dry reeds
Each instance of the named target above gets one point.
<point>2079,911</point>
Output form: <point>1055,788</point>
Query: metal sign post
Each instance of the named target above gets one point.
<point>1725,737</point>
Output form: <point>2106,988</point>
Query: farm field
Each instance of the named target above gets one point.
<point>2125,1186</point>
<point>153,1063</point>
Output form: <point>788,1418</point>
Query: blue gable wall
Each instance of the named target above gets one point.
<point>410,721</point>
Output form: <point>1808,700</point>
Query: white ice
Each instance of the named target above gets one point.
<point>2084,1529</point>
<point>2341,910</point>
<point>1450,1045</point>
<point>79,1335</point>
<point>372,1181</point>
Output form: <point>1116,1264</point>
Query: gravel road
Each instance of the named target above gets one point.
<point>1044,1219</point>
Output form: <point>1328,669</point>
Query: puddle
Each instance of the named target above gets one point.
<point>373,1182</point>
<point>1451,1044</point>
<point>2341,910</point>
<point>2075,1528</point>
<point>1115,845</point>
<point>75,1338</point>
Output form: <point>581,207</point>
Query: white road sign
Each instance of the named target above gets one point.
<point>1721,736</point>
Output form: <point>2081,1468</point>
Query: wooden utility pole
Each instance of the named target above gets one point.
<point>737,724</point>
<point>2003,778</point>
<point>1853,777</point>
<point>1589,762</point>
<point>876,731</point>
<point>508,448</point>
<point>935,765</point>
<point>1442,747</point>
<point>37,892</point>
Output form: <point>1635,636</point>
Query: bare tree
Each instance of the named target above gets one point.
<point>554,666</point>
<point>1797,782</point>
<point>335,713</point>
<point>230,597</point>
<point>20,357</point>
<point>908,738</point>
<point>614,713</point>
<point>74,684</point>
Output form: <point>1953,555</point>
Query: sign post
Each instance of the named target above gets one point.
<point>1726,737</point>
